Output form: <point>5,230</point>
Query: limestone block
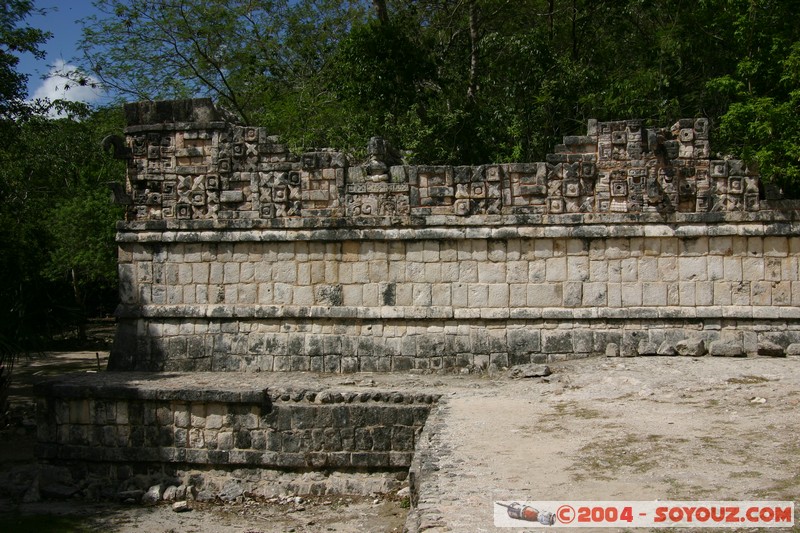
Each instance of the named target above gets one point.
<point>761,293</point>
<point>557,341</point>
<point>782,293</point>
<point>793,349</point>
<point>667,348</point>
<point>716,267</point>
<point>722,293</point>
<point>598,271</point>
<point>770,349</point>
<point>687,292</point>
<point>615,271</point>
<point>537,271</point>
<point>556,269</point>
<point>216,273</point>
<point>498,296</point>
<point>231,273</point>
<point>720,245</point>
<point>460,295</point>
<point>618,248</point>
<point>629,270</point>
<point>704,293</point>
<point>544,295</point>
<point>477,296</point>
<point>578,268</point>
<point>360,272</point>
<point>491,272</point>
<point>631,294</point>
<point>691,347</point>
<point>441,295</point>
<point>282,272</point>
<point>414,252</point>
<point>225,440</point>
<point>612,350</point>
<point>421,294</point>
<point>573,294</point>
<point>345,273</point>
<point>753,268</point>
<point>543,248</point>
<point>648,269</point>
<point>776,246</point>
<point>647,347</point>
<point>654,294</point>
<point>693,268</point>
<point>694,246</point>
<point>726,349</point>
<point>430,251</point>
<point>480,250</point>
<point>432,273</point>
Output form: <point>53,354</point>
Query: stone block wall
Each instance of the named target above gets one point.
<point>118,421</point>
<point>238,255</point>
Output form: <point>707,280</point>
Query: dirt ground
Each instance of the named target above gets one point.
<point>645,428</point>
<point>668,428</point>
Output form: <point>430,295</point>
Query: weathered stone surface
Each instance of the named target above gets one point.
<point>529,371</point>
<point>726,349</point>
<point>647,348</point>
<point>793,349</point>
<point>770,349</point>
<point>691,347</point>
<point>667,348</point>
<point>170,493</point>
<point>181,506</point>
<point>153,495</point>
<point>260,423</point>
<point>612,350</point>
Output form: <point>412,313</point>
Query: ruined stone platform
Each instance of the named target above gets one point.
<point>179,427</point>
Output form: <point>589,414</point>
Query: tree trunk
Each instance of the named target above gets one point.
<point>381,11</point>
<point>81,318</point>
<point>574,29</point>
<point>472,88</point>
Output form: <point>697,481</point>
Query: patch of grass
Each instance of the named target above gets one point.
<point>783,489</point>
<point>747,380</point>
<point>746,474</point>
<point>572,409</point>
<point>607,459</point>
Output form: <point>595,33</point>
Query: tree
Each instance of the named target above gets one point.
<point>15,39</point>
<point>235,51</point>
<point>761,121</point>
<point>16,327</point>
<point>465,81</point>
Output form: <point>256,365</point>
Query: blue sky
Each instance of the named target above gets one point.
<point>61,19</point>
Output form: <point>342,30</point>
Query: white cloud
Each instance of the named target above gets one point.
<point>59,86</point>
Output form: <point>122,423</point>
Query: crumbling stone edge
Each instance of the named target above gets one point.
<point>423,482</point>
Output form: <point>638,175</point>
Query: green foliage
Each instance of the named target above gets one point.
<point>762,119</point>
<point>15,39</point>
<point>235,51</point>
<point>469,81</point>
<point>56,224</point>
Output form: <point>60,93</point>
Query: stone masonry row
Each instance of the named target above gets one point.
<point>245,345</point>
<point>293,429</point>
<point>473,274</point>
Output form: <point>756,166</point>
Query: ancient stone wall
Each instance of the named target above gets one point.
<point>238,255</point>
<point>117,421</point>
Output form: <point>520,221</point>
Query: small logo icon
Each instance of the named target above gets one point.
<point>527,513</point>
